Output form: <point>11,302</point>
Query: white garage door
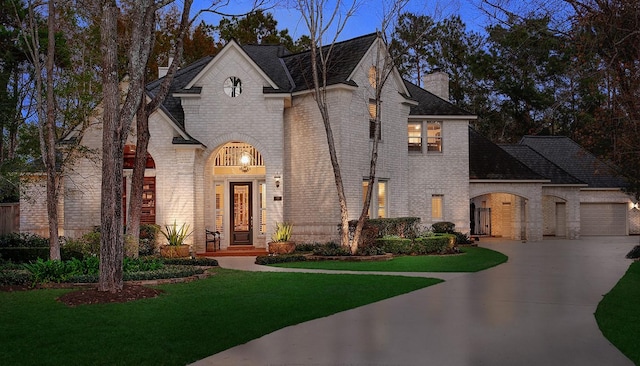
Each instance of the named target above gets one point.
<point>603,219</point>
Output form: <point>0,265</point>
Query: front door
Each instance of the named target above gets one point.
<point>241,215</point>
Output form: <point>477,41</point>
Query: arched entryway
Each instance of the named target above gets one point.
<point>236,195</point>
<point>500,215</point>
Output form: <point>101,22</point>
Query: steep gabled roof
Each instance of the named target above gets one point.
<point>182,77</point>
<point>430,104</point>
<point>345,57</point>
<point>487,161</point>
<point>575,160</point>
<point>269,59</point>
<point>540,164</point>
<point>289,73</point>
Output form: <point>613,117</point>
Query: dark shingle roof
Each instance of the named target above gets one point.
<point>292,73</point>
<point>429,104</point>
<point>345,57</point>
<point>488,161</point>
<point>540,164</point>
<point>575,160</point>
<point>269,59</point>
<point>182,78</point>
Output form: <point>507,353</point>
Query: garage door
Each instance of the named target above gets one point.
<point>603,219</point>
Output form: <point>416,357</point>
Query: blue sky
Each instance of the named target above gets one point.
<point>366,20</point>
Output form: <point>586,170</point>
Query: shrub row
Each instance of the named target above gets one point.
<point>169,271</point>
<point>24,254</point>
<point>23,240</point>
<point>421,245</point>
<point>406,227</point>
<point>273,259</point>
<point>15,277</point>
<point>209,262</point>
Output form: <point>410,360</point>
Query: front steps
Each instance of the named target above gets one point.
<point>236,251</point>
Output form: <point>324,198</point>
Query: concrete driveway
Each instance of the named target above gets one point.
<point>536,309</point>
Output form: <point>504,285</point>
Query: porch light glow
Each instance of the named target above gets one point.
<point>245,159</point>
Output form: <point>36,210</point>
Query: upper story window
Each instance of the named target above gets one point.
<point>434,136</point>
<point>372,120</point>
<point>415,136</point>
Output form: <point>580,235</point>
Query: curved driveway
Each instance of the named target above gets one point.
<point>536,309</point>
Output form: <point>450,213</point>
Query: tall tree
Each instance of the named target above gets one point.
<point>255,28</point>
<point>117,115</point>
<point>321,19</point>
<point>610,29</point>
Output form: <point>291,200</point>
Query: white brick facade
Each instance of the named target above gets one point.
<point>287,130</point>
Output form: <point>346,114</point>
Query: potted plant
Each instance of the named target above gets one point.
<point>280,240</point>
<point>175,236</point>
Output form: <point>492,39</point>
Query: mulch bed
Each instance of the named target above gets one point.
<point>93,296</point>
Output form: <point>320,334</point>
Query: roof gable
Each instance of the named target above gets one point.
<point>228,48</point>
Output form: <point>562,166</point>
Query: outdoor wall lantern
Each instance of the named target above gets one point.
<point>245,159</point>
<point>277,179</point>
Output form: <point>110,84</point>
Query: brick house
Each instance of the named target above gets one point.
<point>239,145</point>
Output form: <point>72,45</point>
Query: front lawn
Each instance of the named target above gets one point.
<point>188,322</point>
<point>474,259</point>
<point>618,314</point>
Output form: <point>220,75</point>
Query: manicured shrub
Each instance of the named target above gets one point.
<point>443,227</point>
<point>331,249</point>
<point>305,247</point>
<point>23,240</point>
<point>15,277</point>
<point>394,244</point>
<point>431,244</point>
<point>273,259</point>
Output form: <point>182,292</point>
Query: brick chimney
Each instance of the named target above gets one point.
<point>162,70</point>
<point>437,83</point>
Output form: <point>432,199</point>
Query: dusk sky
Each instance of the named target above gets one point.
<point>366,20</point>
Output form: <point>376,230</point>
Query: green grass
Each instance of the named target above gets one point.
<point>474,259</point>
<point>618,314</point>
<point>188,322</point>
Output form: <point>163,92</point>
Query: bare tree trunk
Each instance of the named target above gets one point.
<point>50,141</point>
<point>137,179</point>
<point>117,118</point>
<point>143,135</point>
<point>111,238</point>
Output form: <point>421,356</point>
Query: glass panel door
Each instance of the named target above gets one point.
<point>241,215</point>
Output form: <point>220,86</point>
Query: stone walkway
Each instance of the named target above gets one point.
<point>536,309</point>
